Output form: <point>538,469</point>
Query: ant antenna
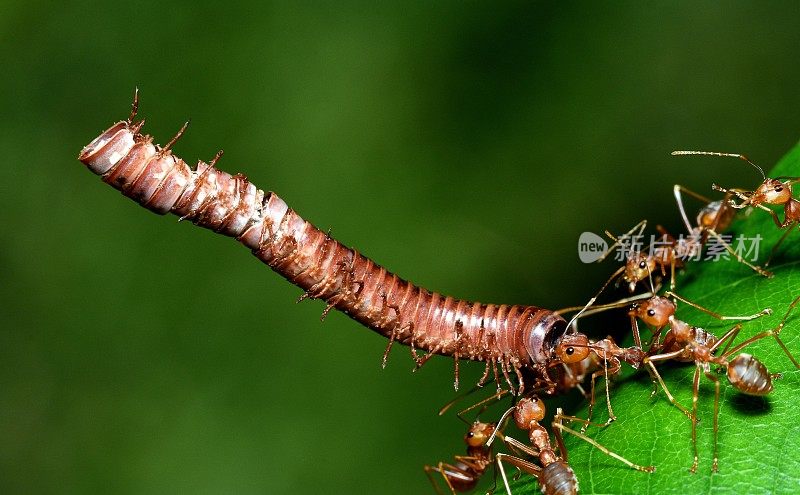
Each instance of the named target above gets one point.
<point>715,153</point>
<point>579,313</point>
<point>457,398</point>
<point>499,427</point>
<point>650,277</point>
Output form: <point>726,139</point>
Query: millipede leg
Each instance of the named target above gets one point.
<point>485,375</point>
<point>456,357</point>
<point>174,140</point>
<point>134,106</point>
<point>385,358</point>
<point>216,158</point>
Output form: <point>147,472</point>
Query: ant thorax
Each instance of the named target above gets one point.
<point>682,331</point>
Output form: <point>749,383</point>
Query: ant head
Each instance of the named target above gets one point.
<point>772,192</point>
<point>656,311</point>
<point>528,410</point>
<point>479,433</point>
<point>637,268</point>
<point>573,348</point>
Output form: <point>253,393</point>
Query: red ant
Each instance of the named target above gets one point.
<point>655,312</point>
<point>669,252</point>
<point>777,191</point>
<point>685,342</point>
<point>464,473</point>
<point>554,474</point>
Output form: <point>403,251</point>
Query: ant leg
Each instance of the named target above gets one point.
<point>616,367</point>
<point>677,189</point>
<point>520,464</point>
<point>591,399</point>
<point>792,225</point>
<point>672,271</point>
<point>745,196</point>
<point>713,378</point>
<point>520,447</point>
<point>559,427</point>
<point>637,337</point>
<point>446,470</point>
<point>656,376</point>
<point>695,393</point>
<point>611,416</point>
<point>729,337</point>
<point>775,332</point>
<point>736,255</point>
<point>482,404</point>
<point>763,312</point>
<point>429,470</point>
<point>618,240</point>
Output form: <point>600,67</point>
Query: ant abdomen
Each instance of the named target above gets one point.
<point>749,375</point>
<point>557,478</point>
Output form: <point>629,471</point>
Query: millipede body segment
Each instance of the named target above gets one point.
<point>508,337</point>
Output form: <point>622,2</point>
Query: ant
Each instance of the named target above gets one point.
<point>463,475</point>
<point>655,312</point>
<point>554,474</point>
<point>671,253</point>
<point>685,342</point>
<point>777,191</point>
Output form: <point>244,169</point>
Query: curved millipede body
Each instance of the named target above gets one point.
<point>507,337</point>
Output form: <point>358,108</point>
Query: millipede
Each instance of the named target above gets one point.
<point>516,341</point>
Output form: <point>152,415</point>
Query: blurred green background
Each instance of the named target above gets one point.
<point>463,145</point>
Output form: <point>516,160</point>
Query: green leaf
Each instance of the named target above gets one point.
<point>759,438</point>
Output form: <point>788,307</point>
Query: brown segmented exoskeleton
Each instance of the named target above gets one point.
<point>515,341</point>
